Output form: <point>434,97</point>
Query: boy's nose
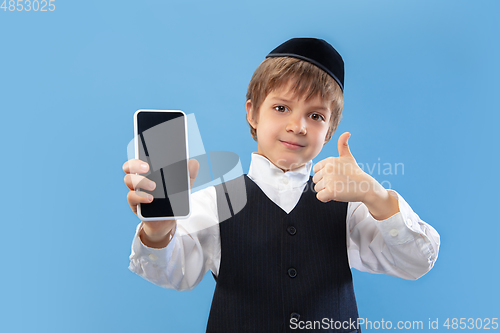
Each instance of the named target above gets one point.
<point>296,125</point>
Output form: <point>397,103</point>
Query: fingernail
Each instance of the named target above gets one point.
<point>144,166</point>
<point>151,185</point>
<point>150,197</point>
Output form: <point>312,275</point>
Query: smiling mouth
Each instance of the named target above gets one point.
<point>291,145</point>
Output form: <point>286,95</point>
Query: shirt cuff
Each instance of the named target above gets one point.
<point>144,254</point>
<point>401,227</point>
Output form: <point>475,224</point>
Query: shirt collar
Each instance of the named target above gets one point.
<point>263,171</point>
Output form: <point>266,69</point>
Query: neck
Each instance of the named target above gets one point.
<point>283,168</point>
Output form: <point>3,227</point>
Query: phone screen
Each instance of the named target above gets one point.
<point>161,142</point>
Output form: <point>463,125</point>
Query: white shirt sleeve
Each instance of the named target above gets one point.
<point>402,245</point>
<point>193,250</point>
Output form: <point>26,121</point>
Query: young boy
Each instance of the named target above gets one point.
<point>283,262</point>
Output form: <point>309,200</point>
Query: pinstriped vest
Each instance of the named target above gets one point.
<point>278,269</point>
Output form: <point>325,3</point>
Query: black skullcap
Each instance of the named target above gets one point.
<point>316,51</point>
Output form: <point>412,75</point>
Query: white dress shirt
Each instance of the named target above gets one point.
<point>402,245</point>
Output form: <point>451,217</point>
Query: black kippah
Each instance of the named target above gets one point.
<point>316,51</point>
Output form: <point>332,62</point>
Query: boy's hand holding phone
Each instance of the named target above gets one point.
<point>154,233</point>
<point>341,179</point>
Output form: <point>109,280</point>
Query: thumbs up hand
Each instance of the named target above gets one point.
<point>341,179</point>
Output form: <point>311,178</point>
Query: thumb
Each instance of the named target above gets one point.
<point>343,146</point>
<point>193,166</point>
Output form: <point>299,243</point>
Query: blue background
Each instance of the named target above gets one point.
<point>421,89</point>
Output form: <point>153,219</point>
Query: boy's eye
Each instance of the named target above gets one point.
<point>281,108</point>
<point>318,117</point>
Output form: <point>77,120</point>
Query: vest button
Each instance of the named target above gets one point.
<point>292,272</point>
<point>291,230</point>
<point>295,316</point>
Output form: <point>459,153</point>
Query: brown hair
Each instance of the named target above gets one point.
<point>307,80</point>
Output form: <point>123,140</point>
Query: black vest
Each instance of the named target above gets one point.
<point>277,266</point>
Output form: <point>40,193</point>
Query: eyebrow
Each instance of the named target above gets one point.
<point>316,107</point>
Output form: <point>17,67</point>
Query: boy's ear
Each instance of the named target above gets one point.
<point>250,114</point>
<point>328,136</point>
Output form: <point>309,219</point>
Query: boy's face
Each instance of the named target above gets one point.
<point>290,131</point>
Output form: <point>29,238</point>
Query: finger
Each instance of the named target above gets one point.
<point>137,197</point>
<point>135,166</point>
<point>318,176</point>
<point>324,163</point>
<point>194,167</point>
<point>323,196</point>
<point>134,182</point>
<point>318,166</point>
<point>320,185</point>
<point>343,146</point>
<point>329,167</point>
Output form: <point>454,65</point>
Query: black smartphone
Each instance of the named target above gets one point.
<point>161,141</point>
